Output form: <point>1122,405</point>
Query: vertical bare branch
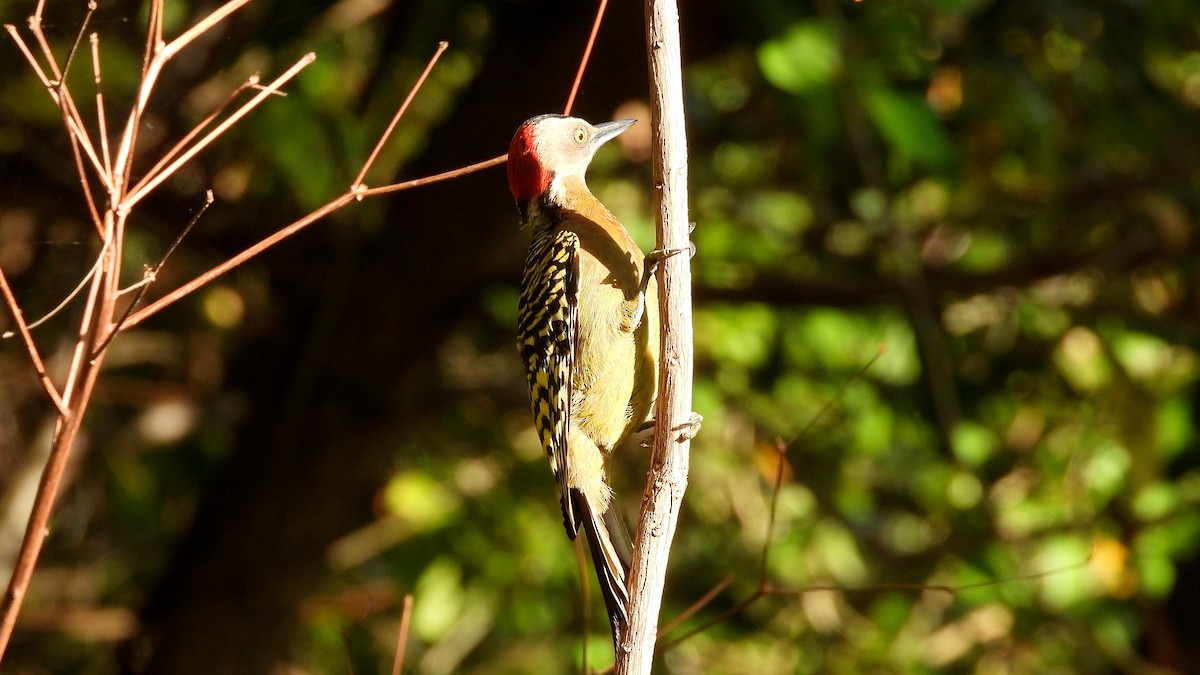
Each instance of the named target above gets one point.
<point>668,475</point>
<point>153,35</point>
<point>101,120</point>
<point>37,530</point>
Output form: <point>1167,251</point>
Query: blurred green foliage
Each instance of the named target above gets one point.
<point>996,201</point>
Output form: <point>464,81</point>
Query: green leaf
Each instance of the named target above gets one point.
<point>909,126</point>
<point>806,58</point>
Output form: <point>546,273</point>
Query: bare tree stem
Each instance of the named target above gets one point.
<point>668,474</point>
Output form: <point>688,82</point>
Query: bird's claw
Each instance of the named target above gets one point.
<point>653,258</point>
<point>688,429</point>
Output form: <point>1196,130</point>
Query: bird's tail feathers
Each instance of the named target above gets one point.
<point>619,535</point>
<point>611,565</point>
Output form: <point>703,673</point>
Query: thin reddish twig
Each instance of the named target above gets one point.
<point>697,605</point>
<point>74,292</point>
<point>587,54</point>
<point>402,637</point>
<point>156,56</point>
<point>171,154</point>
<point>186,289</point>
<point>14,308</point>
<point>87,18</point>
<point>81,171</point>
<point>336,203</point>
<point>74,125</point>
<point>59,91</point>
<point>36,531</point>
<point>149,276</point>
<point>720,618</point>
<point>383,138</point>
<point>101,119</point>
<point>435,178</point>
<point>75,399</point>
<point>35,27</point>
<point>355,193</point>
<point>153,35</point>
<point>202,26</point>
<point>152,181</point>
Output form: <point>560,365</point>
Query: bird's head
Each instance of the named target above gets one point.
<point>550,148</point>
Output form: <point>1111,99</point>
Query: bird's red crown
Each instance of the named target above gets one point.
<point>527,178</point>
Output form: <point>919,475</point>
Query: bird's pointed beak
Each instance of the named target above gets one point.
<point>610,130</point>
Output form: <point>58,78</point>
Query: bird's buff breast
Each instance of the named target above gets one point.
<point>612,359</point>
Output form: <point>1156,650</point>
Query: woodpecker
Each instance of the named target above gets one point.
<point>587,332</point>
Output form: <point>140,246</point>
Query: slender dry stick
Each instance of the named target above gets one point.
<point>668,475</point>
<point>87,18</point>
<point>95,321</point>
<point>157,55</point>
<point>153,35</point>
<point>435,178</point>
<point>587,53</point>
<point>39,367</point>
<point>171,154</point>
<point>202,26</point>
<point>148,278</point>
<point>780,458</point>
<point>76,393</point>
<point>154,180</point>
<point>668,645</point>
<point>70,296</point>
<point>402,637</point>
<point>96,326</point>
<point>186,289</point>
<point>43,505</point>
<point>383,138</point>
<point>695,607</point>
<point>101,119</point>
<point>765,587</point>
<point>74,126</point>
<point>61,94</point>
<point>356,193</point>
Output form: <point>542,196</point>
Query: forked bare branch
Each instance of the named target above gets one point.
<point>171,154</point>
<point>74,125</point>
<point>383,138</point>
<point>152,181</point>
<point>149,276</point>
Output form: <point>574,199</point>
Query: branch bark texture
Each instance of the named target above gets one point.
<point>668,473</point>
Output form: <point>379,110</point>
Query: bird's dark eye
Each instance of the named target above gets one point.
<point>580,135</point>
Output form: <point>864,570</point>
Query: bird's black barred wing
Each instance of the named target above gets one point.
<point>547,337</point>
